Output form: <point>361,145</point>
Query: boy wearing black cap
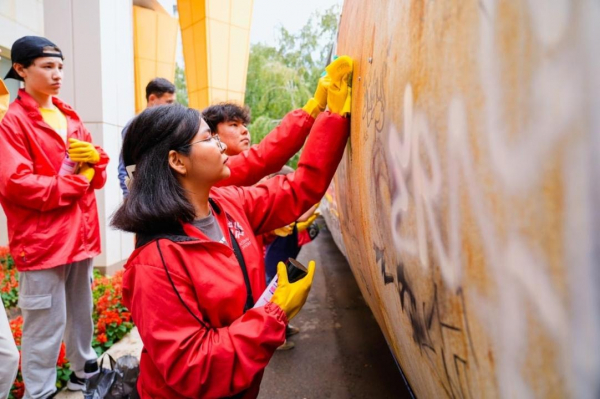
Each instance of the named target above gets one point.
<point>48,175</point>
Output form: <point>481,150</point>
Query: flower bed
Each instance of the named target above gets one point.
<point>9,279</point>
<point>111,319</point>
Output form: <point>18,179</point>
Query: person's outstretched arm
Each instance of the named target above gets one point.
<point>282,199</point>
<point>269,156</point>
<point>272,153</point>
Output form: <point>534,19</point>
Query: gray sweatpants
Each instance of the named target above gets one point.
<point>9,356</point>
<point>54,302</point>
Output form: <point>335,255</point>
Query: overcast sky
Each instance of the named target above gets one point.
<point>292,14</point>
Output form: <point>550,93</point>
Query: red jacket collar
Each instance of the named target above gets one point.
<point>32,107</point>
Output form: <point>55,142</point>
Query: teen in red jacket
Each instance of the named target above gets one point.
<point>52,217</point>
<point>189,293</point>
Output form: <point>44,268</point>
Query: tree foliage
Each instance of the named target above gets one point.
<point>283,77</point>
<point>181,94</point>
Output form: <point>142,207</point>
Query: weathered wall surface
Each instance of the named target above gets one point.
<point>467,200</point>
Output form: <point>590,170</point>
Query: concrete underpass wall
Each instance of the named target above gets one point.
<point>466,201</point>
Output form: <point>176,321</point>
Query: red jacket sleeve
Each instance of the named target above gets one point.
<point>282,199</point>
<point>20,185</point>
<point>193,360</point>
<point>99,179</point>
<point>272,152</point>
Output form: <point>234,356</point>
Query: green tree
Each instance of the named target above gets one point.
<point>284,77</point>
<point>181,94</point>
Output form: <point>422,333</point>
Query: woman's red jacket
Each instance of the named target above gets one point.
<point>210,348</point>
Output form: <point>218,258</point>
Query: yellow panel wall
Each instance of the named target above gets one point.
<point>216,44</point>
<point>238,55</point>
<point>218,54</point>
<point>154,45</point>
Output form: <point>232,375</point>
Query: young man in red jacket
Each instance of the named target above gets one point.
<point>251,163</point>
<point>48,175</point>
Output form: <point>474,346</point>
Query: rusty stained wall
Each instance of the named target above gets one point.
<point>466,200</point>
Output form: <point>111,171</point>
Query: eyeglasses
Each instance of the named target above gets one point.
<point>213,137</point>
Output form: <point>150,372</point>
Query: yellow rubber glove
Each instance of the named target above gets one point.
<point>82,151</point>
<point>87,171</point>
<point>291,296</point>
<point>284,231</point>
<point>4,98</point>
<point>304,225</point>
<point>317,104</point>
<point>339,92</point>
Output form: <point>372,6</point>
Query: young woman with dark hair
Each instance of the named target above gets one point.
<point>160,202</point>
<point>195,275</point>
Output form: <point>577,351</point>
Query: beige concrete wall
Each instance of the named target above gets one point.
<point>96,37</point>
<point>20,18</point>
<point>467,199</point>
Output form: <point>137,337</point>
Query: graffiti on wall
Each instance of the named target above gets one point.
<point>480,207</point>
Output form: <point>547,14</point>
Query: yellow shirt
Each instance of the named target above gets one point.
<point>56,120</point>
<point>4,98</point>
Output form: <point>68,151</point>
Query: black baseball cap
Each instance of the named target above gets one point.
<point>29,48</point>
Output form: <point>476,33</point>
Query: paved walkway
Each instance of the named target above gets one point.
<point>340,351</point>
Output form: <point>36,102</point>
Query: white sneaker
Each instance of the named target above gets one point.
<point>77,381</point>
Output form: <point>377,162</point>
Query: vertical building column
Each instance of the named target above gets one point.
<point>216,45</point>
<point>96,37</point>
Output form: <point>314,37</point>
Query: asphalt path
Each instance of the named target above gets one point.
<point>340,351</point>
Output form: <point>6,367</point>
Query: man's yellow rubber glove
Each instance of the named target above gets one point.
<point>4,99</point>
<point>317,104</point>
<point>87,171</point>
<point>304,225</point>
<point>82,151</point>
<point>339,92</point>
<point>291,296</point>
<point>284,231</point>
